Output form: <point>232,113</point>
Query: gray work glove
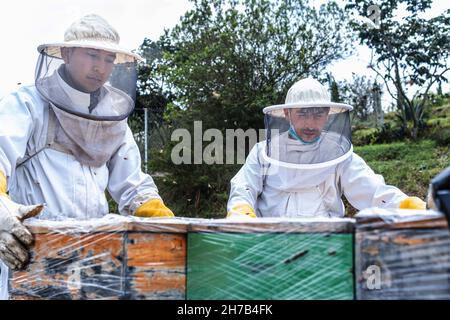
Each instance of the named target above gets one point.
<point>15,239</point>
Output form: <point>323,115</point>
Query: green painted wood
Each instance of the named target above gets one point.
<point>269,266</point>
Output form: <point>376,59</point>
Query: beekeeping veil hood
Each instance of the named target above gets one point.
<point>308,131</point>
<point>93,92</point>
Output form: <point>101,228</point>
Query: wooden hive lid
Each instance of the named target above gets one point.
<point>116,223</point>
<point>377,218</point>
<point>274,225</point>
<point>110,223</point>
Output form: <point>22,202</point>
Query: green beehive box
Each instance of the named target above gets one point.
<point>309,258</point>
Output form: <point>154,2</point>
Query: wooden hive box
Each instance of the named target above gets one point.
<point>110,258</point>
<point>271,259</point>
<point>156,259</point>
<point>402,254</point>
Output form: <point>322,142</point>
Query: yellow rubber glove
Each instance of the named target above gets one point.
<point>242,209</point>
<point>413,203</point>
<point>3,187</point>
<point>154,208</point>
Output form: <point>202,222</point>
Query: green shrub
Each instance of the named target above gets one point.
<point>407,165</point>
<point>370,136</point>
<point>440,134</point>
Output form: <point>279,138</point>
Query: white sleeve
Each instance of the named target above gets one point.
<point>364,189</point>
<point>247,184</point>
<point>127,184</point>
<point>16,126</point>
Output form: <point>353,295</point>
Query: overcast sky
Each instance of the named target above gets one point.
<point>25,24</point>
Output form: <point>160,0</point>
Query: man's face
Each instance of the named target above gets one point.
<point>89,69</point>
<point>307,122</point>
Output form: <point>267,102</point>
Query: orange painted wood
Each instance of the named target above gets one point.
<point>135,259</point>
<point>159,272</point>
<point>72,266</point>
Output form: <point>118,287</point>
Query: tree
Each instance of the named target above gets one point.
<point>334,88</point>
<point>377,107</point>
<point>230,58</point>
<point>411,53</point>
<point>243,55</point>
<point>153,92</point>
<point>358,93</point>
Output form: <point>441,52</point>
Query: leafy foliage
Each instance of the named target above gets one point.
<point>411,53</point>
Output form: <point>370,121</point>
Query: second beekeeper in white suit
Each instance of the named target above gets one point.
<point>307,163</point>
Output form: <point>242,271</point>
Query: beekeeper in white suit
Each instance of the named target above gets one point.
<point>65,139</point>
<point>307,163</point>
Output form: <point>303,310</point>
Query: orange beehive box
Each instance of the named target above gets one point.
<point>110,258</point>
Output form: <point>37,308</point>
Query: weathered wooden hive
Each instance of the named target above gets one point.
<point>402,254</point>
<point>110,258</point>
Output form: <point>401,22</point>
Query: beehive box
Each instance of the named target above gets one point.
<point>271,259</point>
<point>131,258</point>
<point>402,254</point>
<point>110,258</point>
<point>156,260</point>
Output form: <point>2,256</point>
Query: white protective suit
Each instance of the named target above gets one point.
<point>68,188</point>
<point>277,191</point>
